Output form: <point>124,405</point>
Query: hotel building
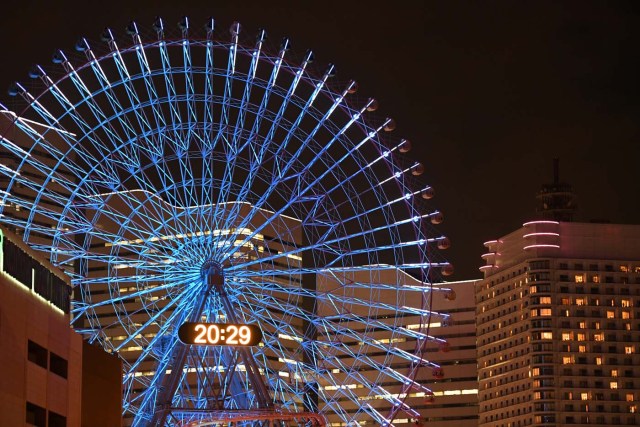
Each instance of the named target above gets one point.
<point>558,326</point>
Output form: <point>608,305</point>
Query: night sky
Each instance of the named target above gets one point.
<point>488,92</point>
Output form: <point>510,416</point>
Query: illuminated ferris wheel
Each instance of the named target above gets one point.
<point>195,179</point>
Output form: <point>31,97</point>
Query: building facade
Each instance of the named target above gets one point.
<point>558,326</point>
<point>41,357</point>
<point>454,402</point>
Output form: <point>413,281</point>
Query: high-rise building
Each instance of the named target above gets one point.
<point>558,326</point>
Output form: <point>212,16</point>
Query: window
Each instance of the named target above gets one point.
<point>57,420</point>
<point>630,397</point>
<point>36,415</point>
<point>611,314</point>
<point>629,349</point>
<point>579,278</point>
<point>598,360</point>
<point>582,336</point>
<point>37,354</point>
<point>545,300</point>
<point>545,312</point>
<point>595,279</point>
<point>546,335</point>
<point>614,373</point>
<point>58,365</point>
<point>566,336</point>
<point>567,360</point>
<point>613,385</point>
<point>584,396</point>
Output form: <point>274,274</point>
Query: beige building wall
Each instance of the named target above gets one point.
<point>455,395</point>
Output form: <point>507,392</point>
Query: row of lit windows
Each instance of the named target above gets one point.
<point>595,336</point>
<point>611,302</point>
<point>623,268</point>
<point>609,314</point>
<point>590,396</point>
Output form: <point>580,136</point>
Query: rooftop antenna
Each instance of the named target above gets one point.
<point>556,201</point>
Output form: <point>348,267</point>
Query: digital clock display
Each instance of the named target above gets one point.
<point>219,334</point>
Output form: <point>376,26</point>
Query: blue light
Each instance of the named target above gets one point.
<point>153,159</point>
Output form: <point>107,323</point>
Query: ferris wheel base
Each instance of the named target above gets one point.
<point>216,417</point>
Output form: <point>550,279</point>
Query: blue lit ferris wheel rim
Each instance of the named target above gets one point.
<point>145,166</point>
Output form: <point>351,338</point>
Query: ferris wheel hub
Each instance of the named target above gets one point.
<point>212,272</point>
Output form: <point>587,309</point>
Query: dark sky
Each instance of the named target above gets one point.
<point>488,92</point>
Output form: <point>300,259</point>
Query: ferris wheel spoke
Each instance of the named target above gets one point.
<point>282,175</point>
<point>332,329</point>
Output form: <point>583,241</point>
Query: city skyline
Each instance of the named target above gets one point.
<point>488,94</point>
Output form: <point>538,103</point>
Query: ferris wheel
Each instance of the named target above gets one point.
<point>187,177</point>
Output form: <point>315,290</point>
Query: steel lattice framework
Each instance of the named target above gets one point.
<point>135,163</point>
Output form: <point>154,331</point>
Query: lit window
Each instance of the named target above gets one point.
<point>598,337</point>
<point>614,373</point>
<point>598,360</point>
<point>547,335</point>
<point>596,325</point>
<point>535,372</point>
<point>630,397</point>
<point>536,395</point>
<point>579,278</point>
<point>545,312</point>
<point>566,301</point>
<point>626,315</point>
<point>581,301</point>
<point>582,336</point>
<point>613,385</point>
<point>584,396</point>
<point>582,348</point>
<point>533,289</point>
<point>625,303</point>
<point>633,409</point>
<point>624,268</point>
<point>545,300</point>
<point>611,314</point>
<point>534,312</point>
<point>595,279</point>
<point>566,336</point>
<point>629,349</point>
<point>567,360</point>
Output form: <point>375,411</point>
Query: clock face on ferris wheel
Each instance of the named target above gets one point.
<point>194,333</point>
